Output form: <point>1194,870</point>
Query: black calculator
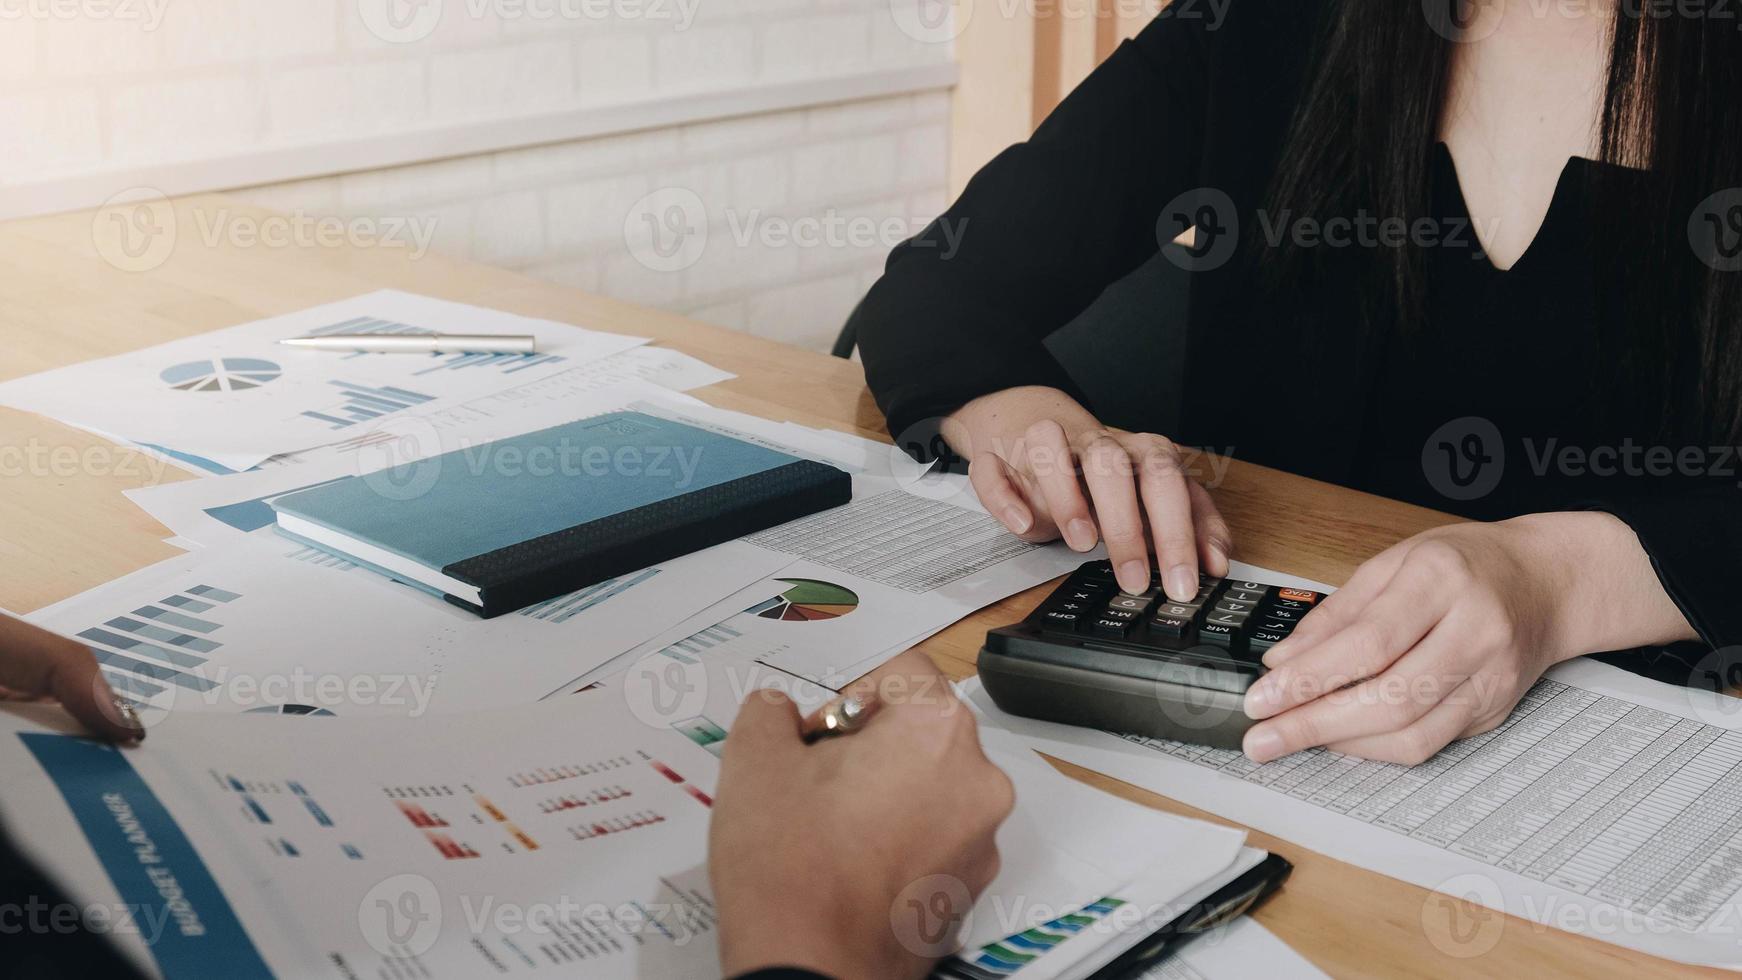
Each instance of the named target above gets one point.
<point>1096,656</point>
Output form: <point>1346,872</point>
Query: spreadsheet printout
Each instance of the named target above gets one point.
<point>1605,804</point>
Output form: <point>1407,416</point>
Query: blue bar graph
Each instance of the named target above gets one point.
<point>153,671</point>
<point>566,607</point>
<point>362,403</point>
<point>319,814</point>
<point>175,619</point>
<point>688,649</point>
<point>162,635</point>
<point>131,684</point>
<point>154,653</point>
<point>142,648</point>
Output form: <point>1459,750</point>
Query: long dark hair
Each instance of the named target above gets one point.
<point>1363,138</point>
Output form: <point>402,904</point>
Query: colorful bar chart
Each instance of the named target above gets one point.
<point>1008,955</point>
<point>539,775</point>
<point>575,801</point>
<point>616,825</point>
<point>566,607</point>
<point>451,849</point>
<point>703,731</point>
<point>418,816</point>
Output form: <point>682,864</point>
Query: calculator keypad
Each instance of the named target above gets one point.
<point>1244,618</point>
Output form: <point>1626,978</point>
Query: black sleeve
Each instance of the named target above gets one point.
<point>781,973</point>
<point>962,307</point>
<point>1694,540</point>
<point>45,937</point>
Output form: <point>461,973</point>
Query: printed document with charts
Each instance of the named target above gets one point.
<point>1608,805</point>
<point>566,838</point>
<point>236,397</point>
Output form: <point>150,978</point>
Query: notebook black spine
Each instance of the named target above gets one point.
<point>555,564</point>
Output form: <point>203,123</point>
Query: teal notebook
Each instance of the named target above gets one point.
<point>497,527</point>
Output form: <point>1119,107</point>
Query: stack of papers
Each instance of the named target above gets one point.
<point>569,834</point>
<point>338,760</point>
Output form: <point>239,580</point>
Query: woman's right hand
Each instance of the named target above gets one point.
<point>1048,469</point>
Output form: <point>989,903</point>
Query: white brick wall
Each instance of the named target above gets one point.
<point>97,93</point>
<point>574,213</point>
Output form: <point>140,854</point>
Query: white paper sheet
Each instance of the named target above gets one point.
<point>1608,805</point>
<point>1065,846</point>
<point>265,622</point>
<point>563,837</point>
<point>1068,844</point>
<point>1238,951</point>
<point>235,396</point>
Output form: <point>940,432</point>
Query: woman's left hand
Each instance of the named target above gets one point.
<point>1438,637</point>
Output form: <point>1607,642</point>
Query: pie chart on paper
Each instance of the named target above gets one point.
<point>221,374</point>
<point>807,601</point>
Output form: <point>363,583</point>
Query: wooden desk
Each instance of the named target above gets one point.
<point>64,526</point>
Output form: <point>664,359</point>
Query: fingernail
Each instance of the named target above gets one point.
<point>1182,585</point>
<point>1263,697</point>
<point>130,718</point>
<point>1262,744</point>
<point>1134,573</point>
<point>1080,535</point>
<point>1017,519</point>
<point>1277,654</point>
<point>1220,553</point>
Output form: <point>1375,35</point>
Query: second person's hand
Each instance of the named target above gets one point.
<point>1048,469</point>
<point>859,855</point>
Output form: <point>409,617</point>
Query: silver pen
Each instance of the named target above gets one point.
<point>420,343</point>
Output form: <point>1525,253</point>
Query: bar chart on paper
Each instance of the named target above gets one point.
<point>228,400</point>
<point>156,646</point>
<point>565,607</point>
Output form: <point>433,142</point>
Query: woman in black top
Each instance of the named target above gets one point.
<point>1487,264</point>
